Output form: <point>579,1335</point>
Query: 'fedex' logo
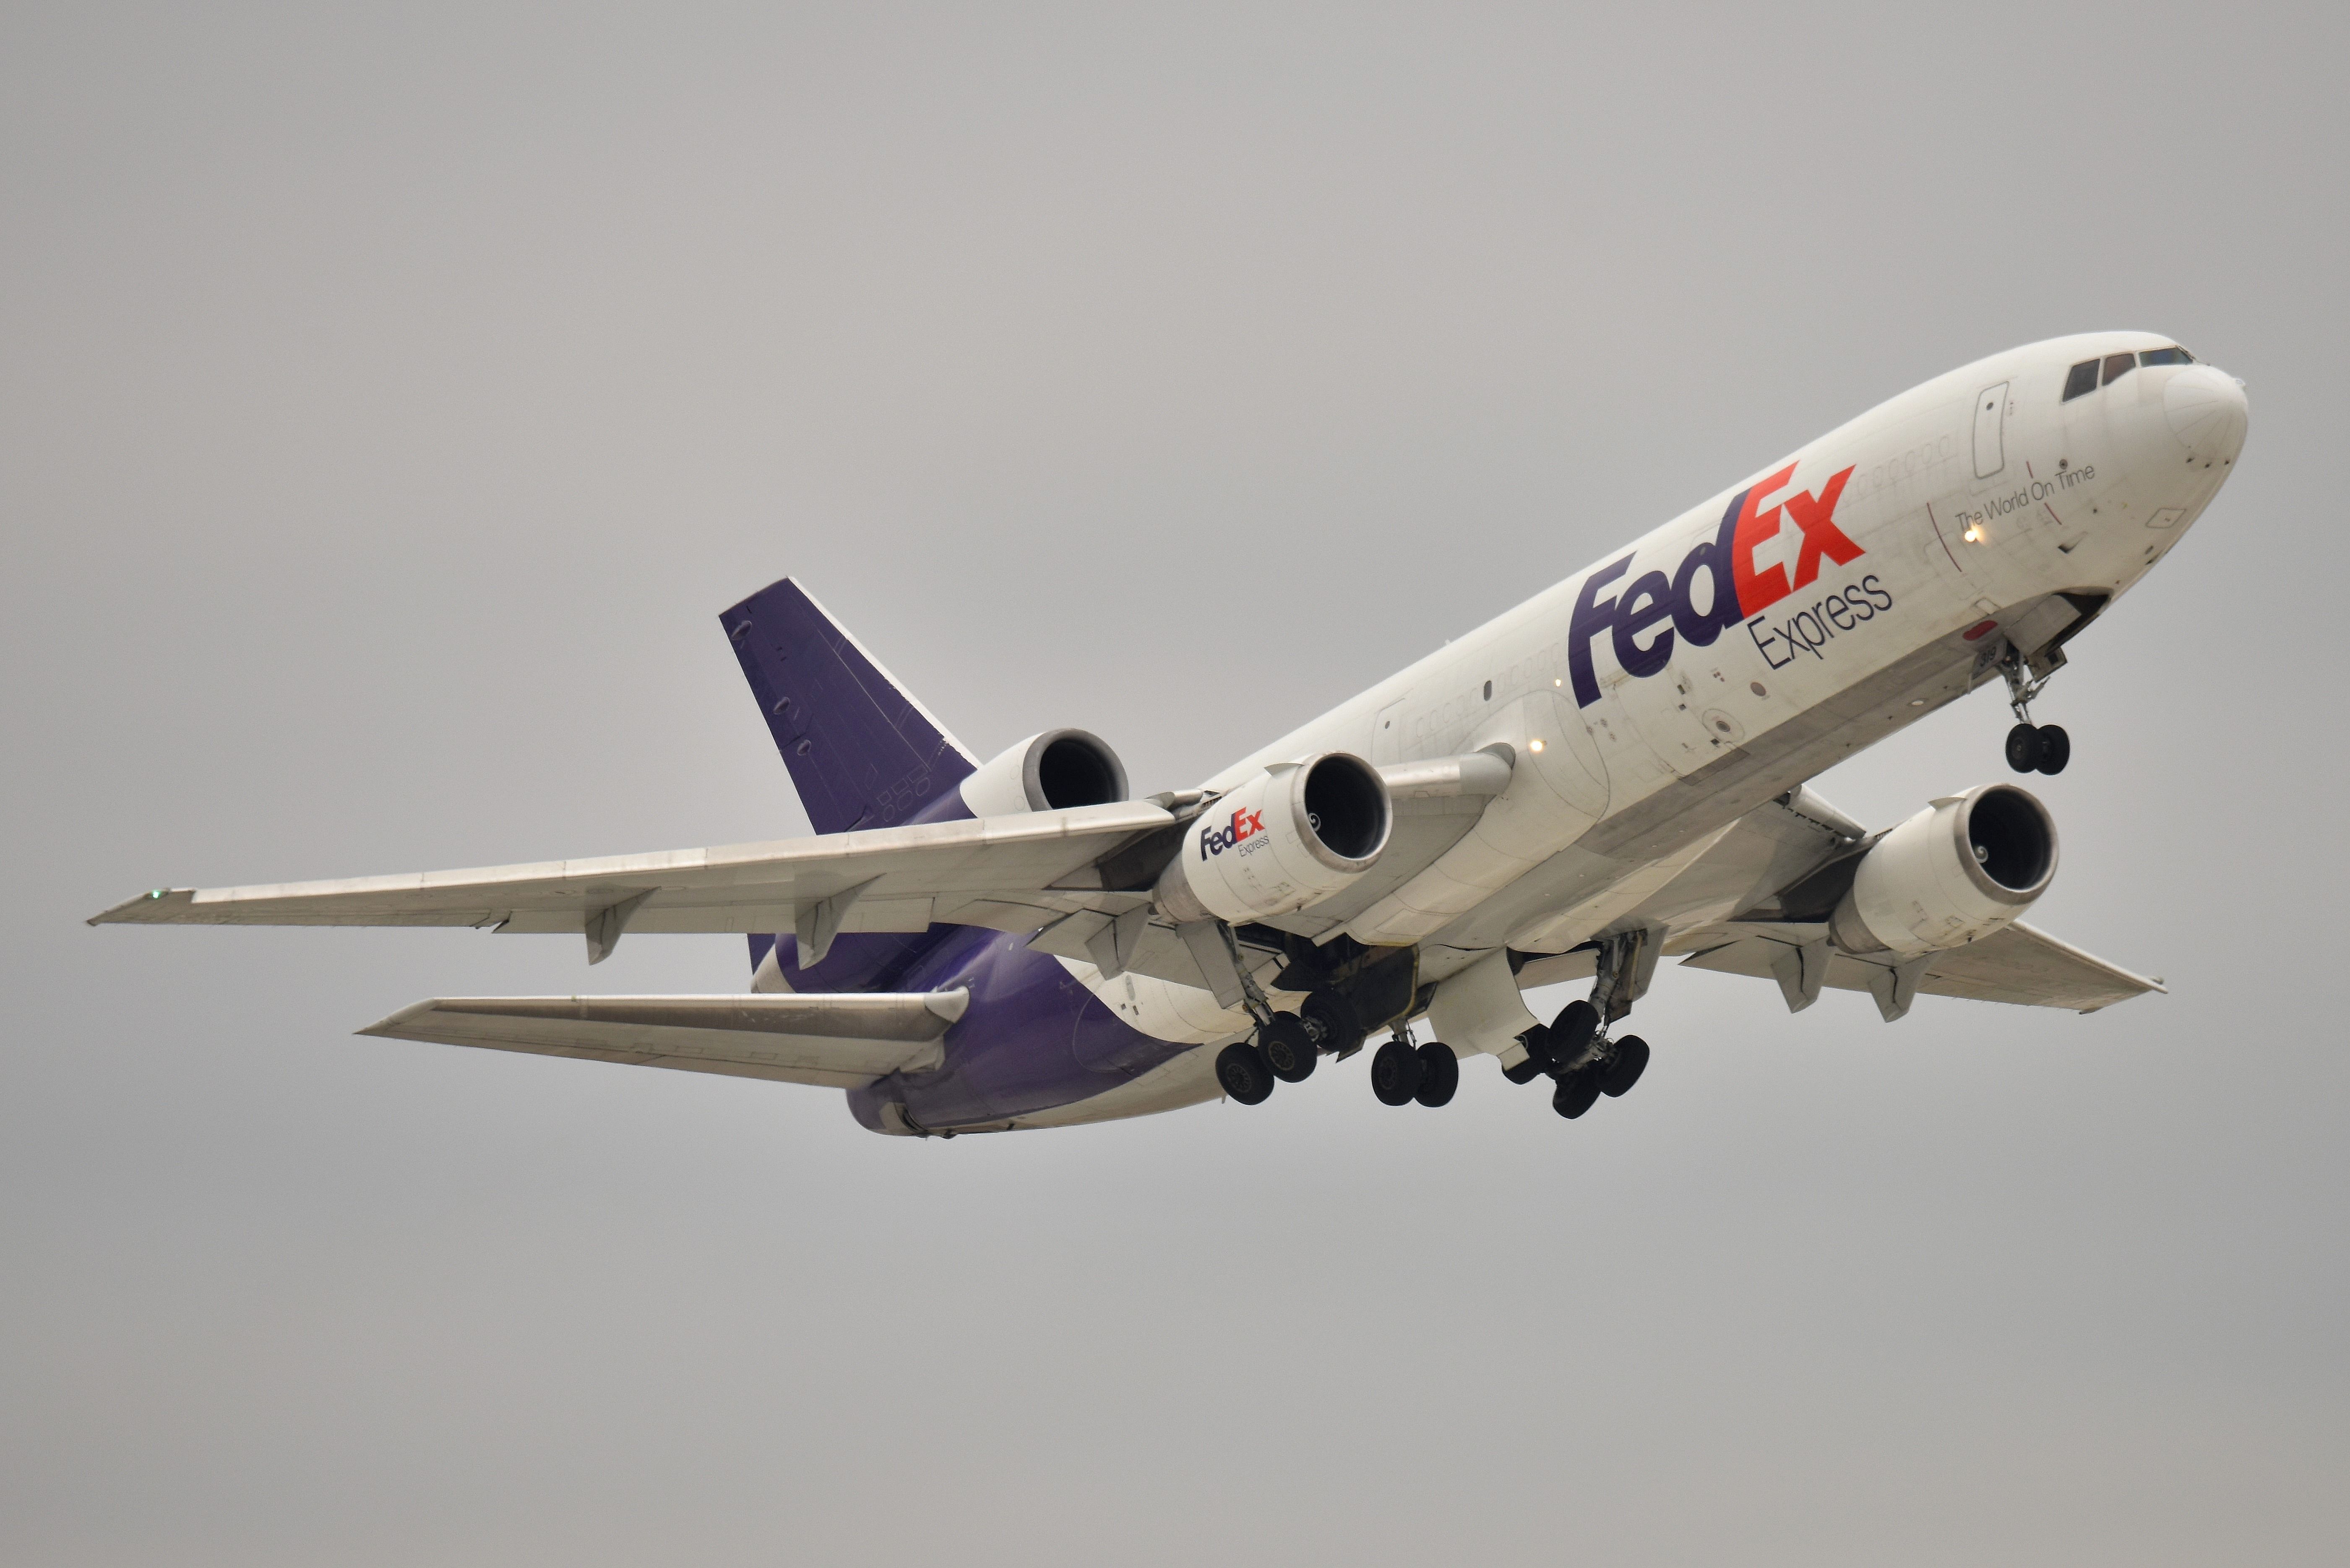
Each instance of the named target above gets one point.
<point>1244,824</point>
<point>1735,589</point>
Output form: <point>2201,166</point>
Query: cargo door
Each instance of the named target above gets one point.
<point>1990,430</point>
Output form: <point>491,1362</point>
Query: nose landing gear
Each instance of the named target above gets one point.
<point>2031,748</point>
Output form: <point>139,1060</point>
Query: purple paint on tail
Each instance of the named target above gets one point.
<point>862,754</point>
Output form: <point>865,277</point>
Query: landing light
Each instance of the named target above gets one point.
<point>1973,535</point>
<point>1535,745</point>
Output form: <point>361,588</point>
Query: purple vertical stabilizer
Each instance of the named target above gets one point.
<point>862,752</point>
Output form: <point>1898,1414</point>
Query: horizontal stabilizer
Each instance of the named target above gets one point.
<point>2020,964</point>
<point>838,1041</point>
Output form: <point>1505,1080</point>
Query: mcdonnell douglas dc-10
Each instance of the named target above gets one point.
<point>1611,773</point>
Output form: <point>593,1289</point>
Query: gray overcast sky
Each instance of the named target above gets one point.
<point>392,395</point>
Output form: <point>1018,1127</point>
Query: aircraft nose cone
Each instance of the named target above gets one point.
<point>2206,410</point>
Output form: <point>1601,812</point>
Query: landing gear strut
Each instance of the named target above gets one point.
<point>2031,748</point>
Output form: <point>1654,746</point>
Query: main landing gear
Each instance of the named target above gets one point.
<point>1574,1049</point>
<point>2031,748</point>
<point>1289,1045</point>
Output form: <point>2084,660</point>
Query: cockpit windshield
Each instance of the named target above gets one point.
<point>2085,377</point>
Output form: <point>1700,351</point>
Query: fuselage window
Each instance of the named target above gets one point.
<point>2084,380</point>
<point>2165,357</point>
<point>2118,366</point>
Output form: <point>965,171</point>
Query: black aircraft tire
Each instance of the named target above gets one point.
<point>1631,1060</point>
<point>2055,748</point>
<point>1439,1074</point>
<point>1576,1093</point>
<point>1571,1030</point>
<point>1288,1049</point>
<point>1243,1074</point>
<point>1537,1043</point>
<point>1396,1071</point>
<point>2023,749</point>
<point>1339,1030</point>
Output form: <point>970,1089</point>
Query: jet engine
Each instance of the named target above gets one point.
<point>1293,834</point>
<point>1051,771</point>
<point>1956,872</point>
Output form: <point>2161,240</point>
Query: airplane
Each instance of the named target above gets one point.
<point>1613,772</point>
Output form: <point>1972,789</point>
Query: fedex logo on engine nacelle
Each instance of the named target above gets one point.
<point>1244,824</point>
<point>1735,589</point>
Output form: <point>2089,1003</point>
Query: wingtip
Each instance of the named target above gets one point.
<point>146,908</point>
<point>395,1027</point>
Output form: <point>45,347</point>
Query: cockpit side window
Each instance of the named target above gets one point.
<point>2173,356</point>
<point>2118,366</point>
<point>2081,381</point>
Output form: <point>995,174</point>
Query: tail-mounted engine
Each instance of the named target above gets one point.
<point>1295,834</point>
<point>1052,772</point>
<point>1956,872</point>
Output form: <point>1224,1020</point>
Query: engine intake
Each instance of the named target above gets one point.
<point>1051,771</point>
<point>1959,870</point>
<point>1283,839</point>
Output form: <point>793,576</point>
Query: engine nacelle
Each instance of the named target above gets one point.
<point>1051,771</point>
<point>1953,874</point>
<point>1296,833</point>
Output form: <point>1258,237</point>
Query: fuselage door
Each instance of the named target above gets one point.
<point>1990,417</point>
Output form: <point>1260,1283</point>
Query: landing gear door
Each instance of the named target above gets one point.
<point>1991,419</point>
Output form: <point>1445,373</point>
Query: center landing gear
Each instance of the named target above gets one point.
<point>2031,748</point>
<point>1402,1073</point>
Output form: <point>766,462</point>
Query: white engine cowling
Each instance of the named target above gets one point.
<point>1295,834</point>
<point>1956,872</point>
<point>1051,771</point>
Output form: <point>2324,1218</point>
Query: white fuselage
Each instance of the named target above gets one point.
<point>1877,569</point>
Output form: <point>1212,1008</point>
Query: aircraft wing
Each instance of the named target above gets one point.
<point>838,1041</point>
<point>1010,873</point>
<point>2020,964</point>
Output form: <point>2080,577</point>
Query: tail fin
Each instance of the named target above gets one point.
<point>862,753</point>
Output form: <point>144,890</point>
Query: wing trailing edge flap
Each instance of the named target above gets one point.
<point>836,1040</point>
<point>2020,965</point>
